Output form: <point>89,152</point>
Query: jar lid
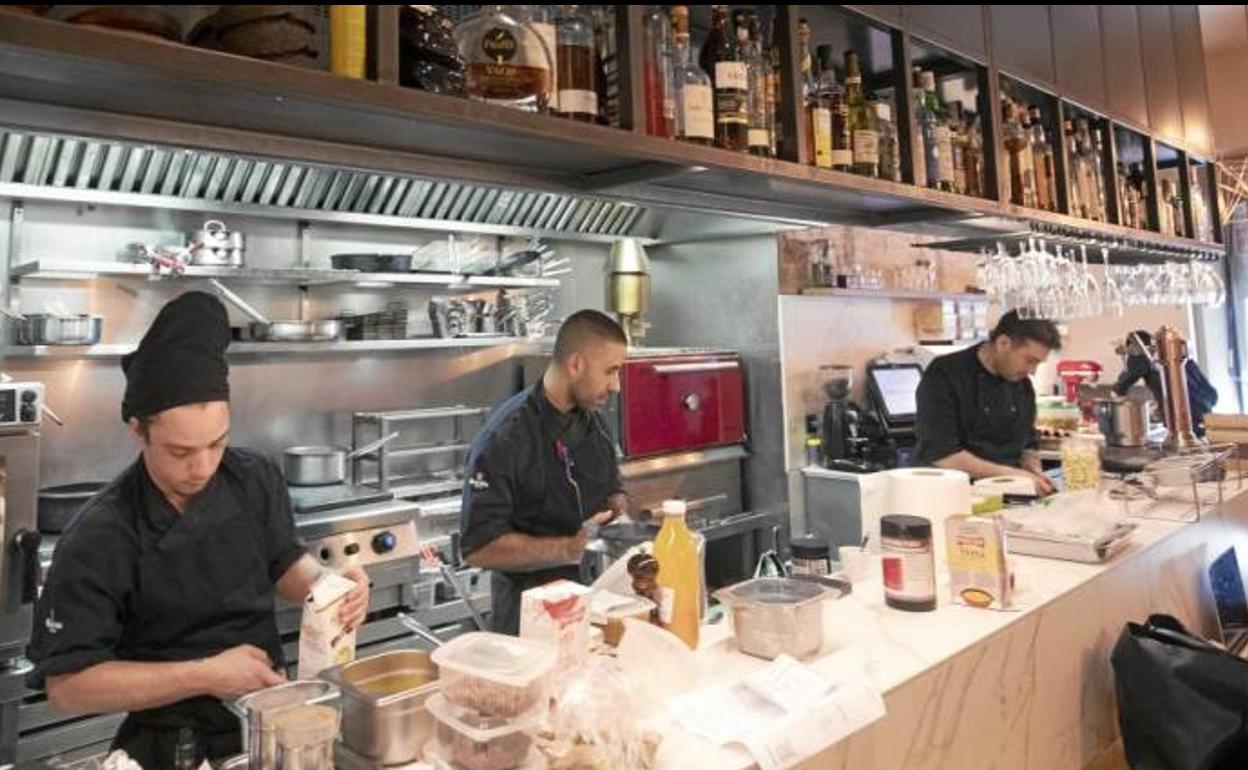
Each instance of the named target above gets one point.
<point>905,526</point>
<point>809,547</point>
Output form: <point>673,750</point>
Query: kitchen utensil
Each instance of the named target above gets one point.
<point>383,704</point>
<point>1123,421</point>
<point>58,505</point>
<point>259,711</point>
<point>431,558</point>
<point>215,246</point>
<point>314,466</point>
<point>280,331</point>
<point>777,616</point>
<point>512,262</point>
<point>56,329</point>
<point>372,263</point>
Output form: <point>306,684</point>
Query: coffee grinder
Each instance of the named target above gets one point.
<point>844,423</point>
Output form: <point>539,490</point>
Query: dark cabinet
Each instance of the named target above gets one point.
<point>960,27</point>
<point>1078,53</point>
<point>1190,63</point>
<point>1124,64</point>
<point>1022,41</point>
<point>1161,78</point>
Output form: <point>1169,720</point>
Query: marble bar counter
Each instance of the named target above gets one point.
<point>972,689</point>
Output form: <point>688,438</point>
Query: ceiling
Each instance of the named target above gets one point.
<point>1224,31</point>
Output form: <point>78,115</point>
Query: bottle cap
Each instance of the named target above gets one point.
<point>674,508</point>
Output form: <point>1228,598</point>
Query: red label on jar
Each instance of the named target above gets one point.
<point>894,577</point>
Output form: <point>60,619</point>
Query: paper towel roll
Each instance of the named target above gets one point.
<point>1008,485</point>
<point>933,493</point>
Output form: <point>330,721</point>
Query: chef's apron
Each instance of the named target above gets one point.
<point>208,571</point>
<point>560,513</point>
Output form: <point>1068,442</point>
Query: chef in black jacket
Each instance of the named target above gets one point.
<point>160,599</point>
<point>977,407</point>
<point>543,466</point>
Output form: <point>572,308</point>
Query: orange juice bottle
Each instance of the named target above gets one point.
<point>680,574</point>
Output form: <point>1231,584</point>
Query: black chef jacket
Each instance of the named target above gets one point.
<point>134,580</point>
<point>963,406</point>
<point>516,480</point>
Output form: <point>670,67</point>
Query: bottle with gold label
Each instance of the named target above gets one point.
<point>695,110</point>
<point>507,61</point>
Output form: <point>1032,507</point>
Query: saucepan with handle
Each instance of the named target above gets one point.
<point>315,466</point>
<point>281,331</point>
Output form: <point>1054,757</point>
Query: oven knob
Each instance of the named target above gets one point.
<point>352,549</point>
<point>29,413</point>
<point>692,402</point>
<point>28,396</point>
<point>326,555</point>
<point>384,542</point>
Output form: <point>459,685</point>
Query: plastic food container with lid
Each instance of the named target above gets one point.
<point>476,741</point>
<point>777,616</point>
<point>497,675</point>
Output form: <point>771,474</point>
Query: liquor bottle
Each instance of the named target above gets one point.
<point>918,144</point>
<point>507,59</point>
<point>975,159</point>
<point>577,65</point>
<point>865,136</point>
<point>760,106</point>
<point>660,86</point>
<point>721,58</point>
<point>348,35</point>
<point>1018,150</point>
<point>819,117</point>
<point>1140,185</point>
<point>890,163</point>
<point>937,144</point>
<point>695,99</point>
<point>1093,157</point>
<point>958,135</point>
<point>806,86</point>
<point>1075,195</point>
<point>834,96</point>
<point>607,64</point>
<point>1042,160</point>
<point>775,122</point>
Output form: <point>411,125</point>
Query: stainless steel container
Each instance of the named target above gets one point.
<point>215,246</point>
<point>1123,421</point>
<point>257,711</point>
<point>777,616</point>
<point>47,329</point>
<point>383,704</point>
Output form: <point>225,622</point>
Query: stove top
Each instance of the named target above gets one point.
<point>333,497</point>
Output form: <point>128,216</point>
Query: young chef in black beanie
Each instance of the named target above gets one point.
<point>160,600</point>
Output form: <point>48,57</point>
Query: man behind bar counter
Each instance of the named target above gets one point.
<point>543,466</point>
<point>977,408</point>
<point>160,600</point>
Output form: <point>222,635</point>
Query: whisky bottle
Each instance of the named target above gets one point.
<point>865,136</point>
<point>695,111</point>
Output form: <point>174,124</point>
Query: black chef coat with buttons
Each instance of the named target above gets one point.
<point>963,406</point>
<point>517,481</point>
<point>134,580</point>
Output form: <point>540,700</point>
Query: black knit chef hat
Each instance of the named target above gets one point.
<point>181,359</point>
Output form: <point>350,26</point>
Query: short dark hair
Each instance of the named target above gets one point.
<point>584,327</point>
<point>1041,331</point>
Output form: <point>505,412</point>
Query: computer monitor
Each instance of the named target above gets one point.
<point>894,389</point>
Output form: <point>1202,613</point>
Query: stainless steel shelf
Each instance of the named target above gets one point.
<point>892,294</point>
<point>426,451</point>
<point>86,270</point>
<point>277,348</point>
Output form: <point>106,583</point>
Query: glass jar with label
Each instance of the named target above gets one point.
<point>507,60</point>
<point>908,562</point>
<point>810,556</point>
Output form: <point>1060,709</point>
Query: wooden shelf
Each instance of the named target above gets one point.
<point>84,270</point>
<point>86,81</point>
<point>892,294</point>
<point>117,350</point>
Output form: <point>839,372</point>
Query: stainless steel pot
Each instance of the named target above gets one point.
<point>383,704</point>
<point>215,246</point>
<point>256,711</point>
<point>50,329</point>
<point>314,466</point>
<point>775,616</point>
<point>1123,421</point>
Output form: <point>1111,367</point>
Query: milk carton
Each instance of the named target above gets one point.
<point>323,640</point>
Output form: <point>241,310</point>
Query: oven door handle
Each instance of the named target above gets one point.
<point>28,542</point>
<point>706,366</point>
